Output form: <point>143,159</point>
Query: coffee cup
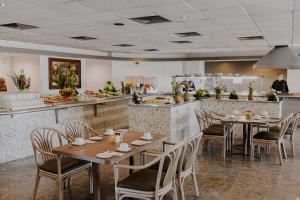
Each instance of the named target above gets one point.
<point>264,113</point>
<point>109,131</point>
<point>124,146</point>
<point>79,141</point>
<point>147,135</point>
<point>235,112</point>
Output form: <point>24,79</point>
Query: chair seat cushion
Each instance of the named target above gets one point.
<point>265,135</point>
<point>143,180</point>
<point>67,164</point>
<point>214,130</point>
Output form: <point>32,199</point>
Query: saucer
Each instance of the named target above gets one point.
<point>140,142</point>
<point>143,138</point>
<point>108,134</point>
<point>104,155</point>
<point>124,150</point>
<point>96,138</point>
<point>76,144</point>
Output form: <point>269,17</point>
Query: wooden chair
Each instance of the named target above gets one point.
<point>271,138</point>
<point>48,165</point>
<point>213,129</point>
<point>147,183</point>
<point>289,134</point>
<point>186,166</point>
<point>75,129</point>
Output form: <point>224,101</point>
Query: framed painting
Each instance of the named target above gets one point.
<point>67,66</point>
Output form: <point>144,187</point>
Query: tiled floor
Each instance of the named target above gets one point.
<point>232,179</point>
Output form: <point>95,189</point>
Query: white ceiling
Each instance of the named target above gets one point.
<point>220,22</point>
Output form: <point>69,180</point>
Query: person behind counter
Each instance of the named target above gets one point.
<point>280,85</point>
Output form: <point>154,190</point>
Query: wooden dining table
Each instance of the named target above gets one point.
<point>89,151</point>
<point>247,123</point>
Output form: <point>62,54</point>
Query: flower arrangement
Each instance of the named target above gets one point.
<point>186,85</point>
<point>20,80</point>
<point>251,87</point>
<point>66,83</point>
<point>271,95</point>
<point>136,98</point>
<point>218,90</point>
<point>233,95</point>
<point>177,91</point>
<point>201,93</point>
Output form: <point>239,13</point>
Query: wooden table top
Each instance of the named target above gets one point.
<point>244,120</point>
<point>89,151</point>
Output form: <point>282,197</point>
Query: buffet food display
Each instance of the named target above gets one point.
<point>21,100</point>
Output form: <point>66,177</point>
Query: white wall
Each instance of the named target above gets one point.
<point>97,73</point>
<point>194,67</point>
<point>162,70</point>
<point>293,80</point>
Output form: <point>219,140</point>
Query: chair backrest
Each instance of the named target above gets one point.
<point>171,156</point>
<point>75,129</point>
<point>189,153</point>
<point>295,123</point>
<point>43,141</point>
<point>201,119</point>
<point>285,125</point>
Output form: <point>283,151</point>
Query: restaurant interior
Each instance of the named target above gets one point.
<point>149,99</point>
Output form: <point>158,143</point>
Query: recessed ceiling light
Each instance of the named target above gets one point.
<point>155,19</point>
<point>122,45</point>
<point>256,37</point>
<point>18,26</point>
<point>82,38</point>
<point>188,34</point>
<point>181,42</point>
<point>2,4</point>
<point>119,24</point>
<point>151,50</point>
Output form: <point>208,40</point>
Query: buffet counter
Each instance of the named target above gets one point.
<point>180,120</point>
<point>17,125</point>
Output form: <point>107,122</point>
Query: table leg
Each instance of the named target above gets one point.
<point>96,176</point>
<point>245,136</point>
<point>131,162</point>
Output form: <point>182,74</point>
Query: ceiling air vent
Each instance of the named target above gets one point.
<point>181,42</point>
<point>83,38</point>
<point>151,50</point>
<point>122,45</point>
<point>155,19</point>
<point>257,37</point>
<point>188,34</point>
<point>18,26</point>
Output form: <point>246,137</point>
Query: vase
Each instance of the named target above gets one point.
<point>218,96</point>
<point>177,98</point>
<point>186,96</point>
<point>250,97</point>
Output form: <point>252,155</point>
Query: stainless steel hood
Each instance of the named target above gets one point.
<point>281,57</point>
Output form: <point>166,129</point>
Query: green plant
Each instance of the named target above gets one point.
<point>136,98</point>
<point>201,93</point>
<point>109,87</point>
<point>218,88</point>
<point>271,95</point>
<point>20,80</point>
<point>233,95</point>
<point>176,87</point>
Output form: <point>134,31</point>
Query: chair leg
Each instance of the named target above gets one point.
<point>283,150</point>
<point>175,192</point>
<point>36,186</point>
<point>292,147</point>
<point>252,152</point>
<point>224,149</point>
<point>195,185</point>
<point>181,189</point>
<point>267,149</point>
<point>60,189</point>
<point>91,180</point>
<point>279,153</point>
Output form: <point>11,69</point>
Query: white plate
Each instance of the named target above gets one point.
<point>140,142</point>
<point>104,155</point>
<point>124,150</point>
<point>75,144</point>
<point>96,138</point>
<point>148,139</point>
